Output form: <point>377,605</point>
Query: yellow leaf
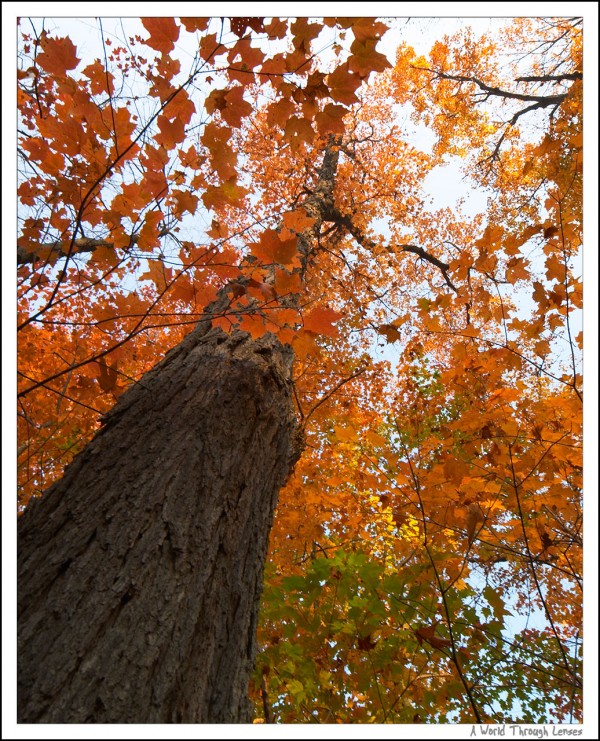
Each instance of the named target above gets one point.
<point>345,434</point>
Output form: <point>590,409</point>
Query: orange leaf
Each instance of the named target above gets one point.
<point>101,80</point>
<point>272,249</point>
<point>254,324</point>
<point>368,28</point>
<point>475,518</point>
<point>345,434</point>
<point>298,130</point>
<point>154,184</point>
<point>298,221</point>
<point>171,132</point>
<point>148,235</point>
<point>228,193</point>
<point>58,56</point>
<point>181,107</point>
<point>320,321</point>
<point>304,344</point>
<point>236,107</point>
<point>331,119</point>
<point>550,231</point>
<point>209,46</point>
<point>455,470</point>
<point>216,139</point>
<point>195,24</point>
<point>286,282</point>
<point>164,32</point>
<point>279,112</point>
<point>304,32</point>
<point>516,269</point>
<point>186,201</point>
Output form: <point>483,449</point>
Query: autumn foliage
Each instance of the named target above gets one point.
<point>426,557</point>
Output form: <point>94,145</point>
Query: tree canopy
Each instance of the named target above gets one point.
<point>425,561</point>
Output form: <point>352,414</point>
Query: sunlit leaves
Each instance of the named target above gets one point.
<point>272,249</point>
<point>442,472</point>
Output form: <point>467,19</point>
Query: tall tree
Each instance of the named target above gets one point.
<point>423,502</point>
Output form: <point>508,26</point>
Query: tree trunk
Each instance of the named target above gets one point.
<point>140,571</point>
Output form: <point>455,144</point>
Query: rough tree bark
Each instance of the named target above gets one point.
<point>140,571</point>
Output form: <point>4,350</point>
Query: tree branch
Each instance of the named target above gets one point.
<point>552,78</point>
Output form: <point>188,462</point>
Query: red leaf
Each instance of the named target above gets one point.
<point>164,32</point>
<point>58,56</point>
<point>195,24</point>
<point>320,321</point>
<point>101,81</point>
<point>239,25</point>
<point>171,132</point>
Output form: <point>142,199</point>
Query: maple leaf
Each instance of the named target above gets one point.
<point>239,25</point>
<point>304,32</point>
<point>236,108</point>
<point>364,59</point>
<point>331,119</point>
<point>475,518</point>
<point>154,184</point>
<point>345,434</point>
<point>101,80</point>
<point>286,282</point>
<point>58,55</point>
<point>343,85</point>
<point>209,46</point>
<point>195,24</point>
<point>181,107</point>
<point>171,132</point>
<point>186,201</point>
<point>216,139</point>
<point>367,28</point>
<point>164,32</point>
<point>320,321</point>
<point>298,221</point>
<point>272,249</point>
<point>516,269</point>
<point>390,332</point>
<point>228,193</point>
<point>280,111</point>
<point>298,130</point>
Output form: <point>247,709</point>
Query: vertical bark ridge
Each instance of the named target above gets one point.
<point>140,571</point>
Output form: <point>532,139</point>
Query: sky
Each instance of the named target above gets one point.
<point>442,194</point>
